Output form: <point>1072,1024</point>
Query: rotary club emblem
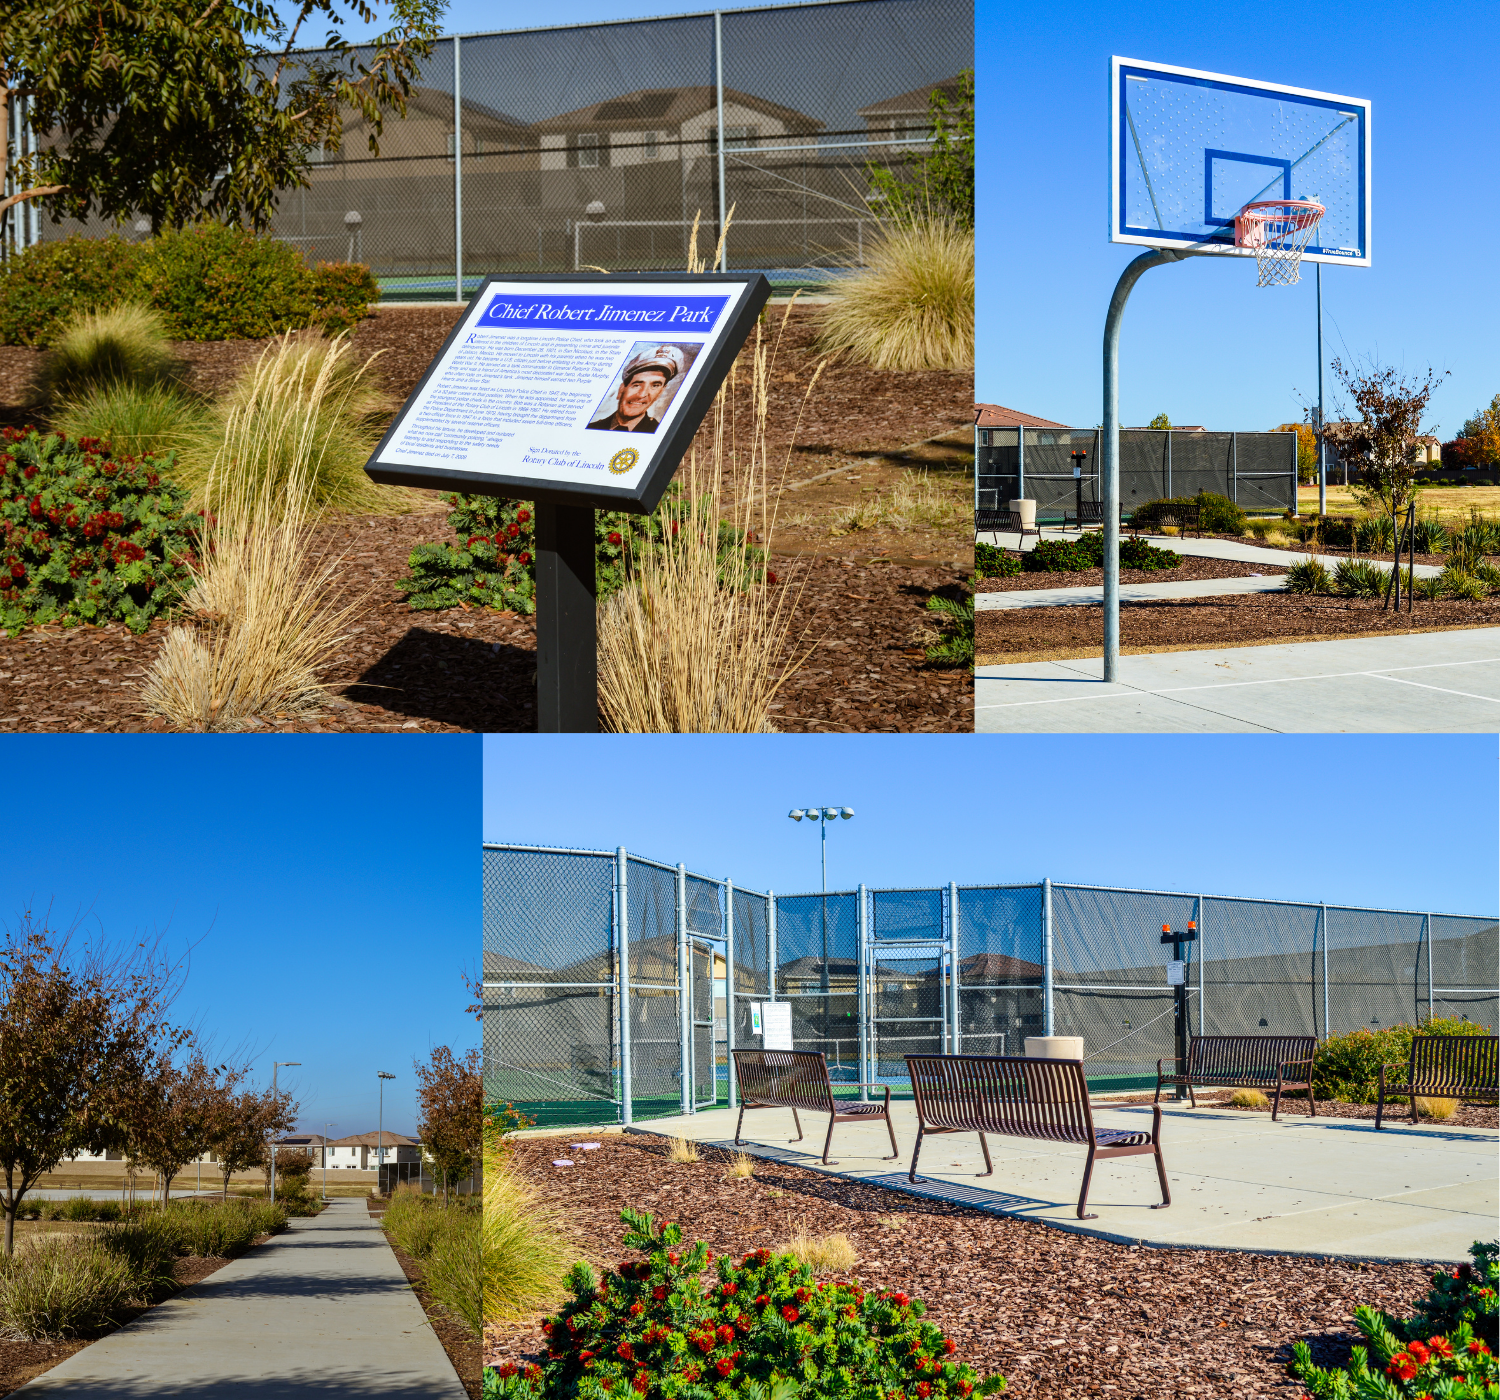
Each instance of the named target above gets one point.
<point>623,460</point>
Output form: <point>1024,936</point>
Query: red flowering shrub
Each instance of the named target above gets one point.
<point>85,536</point>
<point>696,1336</point>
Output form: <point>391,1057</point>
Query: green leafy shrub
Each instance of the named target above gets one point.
<point>1347,1067</point>
<point>1429,588</point>
<point>342,295</point>
<point>1459,583</point>
<point>1360,578</point>
<point>79,1208</point>
<point>1216,514</point>
<point>1087,552</point>
<point>126,344</point>
<point>990,561</point>
<point>43,287</point>
<point>1308,576</point>
<point>87,537</point>
<point>763,1327</point>
<point>1429,535</point>
<point>62,1286</point>
<point>1458,1366</point>
<point>1376,534</point>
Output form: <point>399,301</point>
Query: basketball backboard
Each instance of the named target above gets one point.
<point>1189,150</point>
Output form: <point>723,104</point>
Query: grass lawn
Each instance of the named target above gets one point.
<point>1450,504</point>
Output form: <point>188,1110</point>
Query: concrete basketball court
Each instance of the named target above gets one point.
<point>1324,1186</point>
<point>1429,682</point>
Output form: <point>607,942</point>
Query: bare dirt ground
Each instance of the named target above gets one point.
<point>863,593</point>
<point>1062,1316</point>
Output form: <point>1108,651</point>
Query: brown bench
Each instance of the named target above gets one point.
<point>987,519</point>
<point>1184,518</point>
<point>1245,1062</point>
<point>1088,513</point>
<point>797,1079</point>
<point>1459,1067</point>
<point>1016,1096</point>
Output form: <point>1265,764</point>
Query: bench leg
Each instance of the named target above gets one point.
<point>1157,1099</point>
<point>1083,1194</point>
<point>1161,1176</point>
<point>1379,1108</point>
<point>891,1129</point>
<point>911,1174</point>
<point>798,1122</point>
<point>828,1142</point>
<point>1414,1110</point>
<point>1276,1102</point>
<point>1312,1102</point>
<point>989,1166</point>
<point>739,1126</point>
<point>1192,1094</point>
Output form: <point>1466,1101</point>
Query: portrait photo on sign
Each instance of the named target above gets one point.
<point>649,378</point>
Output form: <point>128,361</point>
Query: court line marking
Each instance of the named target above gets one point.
<point>1231,685</point>
<point>1469,695</point>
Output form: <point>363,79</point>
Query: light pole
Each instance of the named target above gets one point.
<point>823,815</point>
<point>325,1159</point>
<point>276,1065</point>
<point>380,1131</point>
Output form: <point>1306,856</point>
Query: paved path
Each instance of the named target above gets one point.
<point>321,1310</point>
<point>1428,682</point>
<point>1206,549</point>
<point>1129,592</point>
<point>1239,1181</point>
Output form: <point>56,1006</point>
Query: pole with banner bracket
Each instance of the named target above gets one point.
<point>1177,981</point>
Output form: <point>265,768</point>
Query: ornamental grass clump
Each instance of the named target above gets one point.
<point>1308,576</point>
<point>823,1254</point>
<point>1249,1098</point>
<point>86,536</point>
<point>62,1286</point>
<point>454,1268</point>
<point>136,420</point>
<point>661,1326</point>
<point>123,345</point>
<point>525,1248</point>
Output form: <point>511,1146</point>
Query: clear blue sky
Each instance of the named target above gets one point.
<point>330,887</point>
<point>1201,343</point>
<point>1296,818</point>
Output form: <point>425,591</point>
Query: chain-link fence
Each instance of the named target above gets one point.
<point>551,150</point>
<point>1258,471</point>
<point>616,988</point>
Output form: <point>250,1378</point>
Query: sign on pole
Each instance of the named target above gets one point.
<point>579,394</point>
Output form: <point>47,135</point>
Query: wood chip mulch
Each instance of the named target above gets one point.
<point>1193,566</point>
<point>1177,624</point>
<point>1060,1315</point>
<point>461,1345</point>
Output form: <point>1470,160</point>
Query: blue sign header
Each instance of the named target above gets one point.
<point>651,314</point>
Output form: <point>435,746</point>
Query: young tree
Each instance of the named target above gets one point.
<point>78,1033</point>
<point>1307,449</point>
<point>1160,421</point>
<point>1481,434</point>
<point>944,179</point>
<point>451,1095</point>
<point>244,1125</point>
<point>185,109</point>
<point>174,1112</point>
<point>1382,438</point>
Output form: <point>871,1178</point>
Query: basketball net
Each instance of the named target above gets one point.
<point>1277,230</point>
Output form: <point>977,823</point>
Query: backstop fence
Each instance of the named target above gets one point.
<point>615,987</point>
<point>551,150</point>
<point>1258,471</point>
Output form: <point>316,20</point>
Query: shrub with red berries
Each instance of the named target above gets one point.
<point>88,536</point>
<point>679,1323</point>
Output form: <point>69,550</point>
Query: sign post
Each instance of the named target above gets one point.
<point>578,394</point>
<point>1177,981</point>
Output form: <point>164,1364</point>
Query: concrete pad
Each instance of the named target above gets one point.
<point>1446,682</point>
<point>323,1309</point>
<point>1315,1186</point>
<point>1129,593</point>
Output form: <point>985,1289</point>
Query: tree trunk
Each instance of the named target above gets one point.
<point>166,1187</point>
<point>10,1227</point>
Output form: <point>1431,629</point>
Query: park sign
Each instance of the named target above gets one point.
<point>574,391</point>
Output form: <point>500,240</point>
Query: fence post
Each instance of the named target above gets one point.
<point>770,945</point>
<point>953,939</point>
<point>864,1002</point>
<point>1323,923</point>
<point>728,994</point>
<point>719,140</point>
<point>458,180</point>
<point>686,1011</point>
<point>1202,1004</point>
<point>1020,460</point>
<point>1046,958</point>
<point>1169,464</point>
<point>623,953</point>
<point>1427,938</point>
<point>1234,465</point>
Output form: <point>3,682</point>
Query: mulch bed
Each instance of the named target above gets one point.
<point>1060,1315</point>
<point>1464,1116</point>
<point>460,1344</point>
<point>1179,624</point>
<point>1193,566</point>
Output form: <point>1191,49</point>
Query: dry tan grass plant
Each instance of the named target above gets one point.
<point>261,616</point>
<point>1439,1109</point>
<point>696,643</point>
<point>526,1248</point>
<point>741,1167</point>
<point>823,1254</point>
<point>682,1150</point>
<point>912,306</point>
<point>917,502</point>
<point>891,1222</point>
<point>1248,1098</point>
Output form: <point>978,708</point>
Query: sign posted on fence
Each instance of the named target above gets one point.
<point>776,1020</point>
<point>578,394</point>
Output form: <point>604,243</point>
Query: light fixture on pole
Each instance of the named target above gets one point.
<point>325,1159</point>
<point>823,815</point>
<point>276,1065</point>
<point>380,1132</point>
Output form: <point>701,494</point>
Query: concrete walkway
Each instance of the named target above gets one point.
<point>1205,549</point>
<point>321,1310</point>
<point>1239,1181</point>
<point>1427,682</point>
<point>1129,592</point>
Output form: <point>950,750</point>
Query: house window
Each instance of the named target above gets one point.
<point>588,150</point>
<point>648,151</point>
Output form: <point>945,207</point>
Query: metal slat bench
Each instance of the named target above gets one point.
<point>1185,518</point>
<point>1462,1067</point>
<point>1245,1062</point>
<point>1010,520</point>
<point>1016,1096</point>
<point>1090,513</point>
<point>798,1079</point>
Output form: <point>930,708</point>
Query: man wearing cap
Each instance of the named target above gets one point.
<point>641,384</point>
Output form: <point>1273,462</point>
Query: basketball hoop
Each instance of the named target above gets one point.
<point>1277,230</point>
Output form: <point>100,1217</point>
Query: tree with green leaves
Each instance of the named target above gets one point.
<point>175,1111</point>
<point>1160,421</point>
<point>245,1124</point>
<point>943,181</point>
<point>451,1095</point>
<point>180,110</point>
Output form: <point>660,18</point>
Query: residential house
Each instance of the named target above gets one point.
<point>907,117</point>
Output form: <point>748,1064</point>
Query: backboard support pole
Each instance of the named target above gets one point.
<point>1322,458</point>
<point>567,668</point>
<point>1109,473</point>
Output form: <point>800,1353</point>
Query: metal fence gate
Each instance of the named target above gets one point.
<point>602,977</point>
